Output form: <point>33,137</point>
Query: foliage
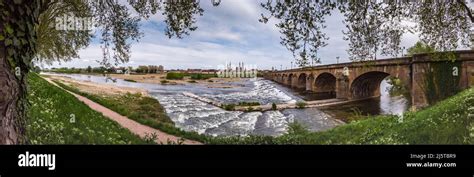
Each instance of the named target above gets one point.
<point>446,122</point>
<point>130,80</point>
<point>143,109</point>
<point>202,76</point>
<point>164,81</point>
<point>300,104</point>
<point>397,87</point>
<point>248,104</point>
<point>228,107</point>
<point>372,26</point>
<point>274,106</point>
<point>419,48</point>
<point>66,70</point>
<point>50,114</point>
<point>61,45</point>
<point>301,25</point>
<point>174,76</point>
<point>439,80</point>
<point>180,17</point>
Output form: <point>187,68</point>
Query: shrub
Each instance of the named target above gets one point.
<point>249,104</point>
<point>174,76</point>
<point>228,107</point>
<point>300,104</point>
<point>250,109</point>
<point>164,81</point>
<point>274,106</point>
<point>202,76</point>
<point>130,80</point>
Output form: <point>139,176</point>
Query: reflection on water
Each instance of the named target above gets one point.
<point>383,105</point>
<point>192,115</point>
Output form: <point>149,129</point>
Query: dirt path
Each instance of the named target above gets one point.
<point>134,127</point>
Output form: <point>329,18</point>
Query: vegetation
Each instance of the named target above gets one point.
<point>228,107</point>
<point>57,117</point>
<point>274,106</point>
<point>249,104</point>
<point>202,76</point>
<point>143,109</point>
<point>130,80</point>
<point>192,81</point>
<point>441,80</point>
<point>419,48</point>
<point>372,27</point>
<point>447,122</point>
<point>164,81</point>
<point>25,24</point>
<point>300,104</point>
<point>174,76</point>
<point>398,88</point>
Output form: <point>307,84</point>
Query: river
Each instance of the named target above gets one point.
<point>190,114</point>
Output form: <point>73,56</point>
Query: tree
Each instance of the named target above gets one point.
<point>25,23</point>
<point>301,25</point>
<point>24,27</point>
<point>89,69</point>
<point>420,47</point>
<point>372,26</point>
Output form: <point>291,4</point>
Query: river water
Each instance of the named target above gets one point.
<point>190,114</point>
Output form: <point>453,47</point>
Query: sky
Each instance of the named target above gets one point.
<point>230,32</point>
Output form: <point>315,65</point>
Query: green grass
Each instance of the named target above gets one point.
<point>174,76</point>
<point>202,76</point>
<point>50,113</point>
<point>447,122</point>
<point>143,109</point>
<point>300,104</point>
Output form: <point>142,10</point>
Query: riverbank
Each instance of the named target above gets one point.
<point>131,105</point>
<point>57,117</point>
<point>450,121</point>
<point>214,82</point>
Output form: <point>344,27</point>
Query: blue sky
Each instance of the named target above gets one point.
<point>227,33</point>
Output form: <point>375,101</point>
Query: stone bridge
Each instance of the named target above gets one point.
<point>360,80</point>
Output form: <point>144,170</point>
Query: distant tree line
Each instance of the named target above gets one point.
<point>140,69</point>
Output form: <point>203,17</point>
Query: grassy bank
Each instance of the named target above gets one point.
<point>143,109</point>
<point>447,122</point>
<point>57,117</point>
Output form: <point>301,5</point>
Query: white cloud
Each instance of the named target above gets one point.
<point>229,32</point>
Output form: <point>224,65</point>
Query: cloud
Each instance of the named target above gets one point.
<point>227,33</point>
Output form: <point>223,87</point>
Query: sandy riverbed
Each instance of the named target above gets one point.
<point>97,88</point>
<point>158,78</point>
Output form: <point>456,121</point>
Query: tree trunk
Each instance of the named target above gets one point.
<point>17,48</point>
<point>11,117</point>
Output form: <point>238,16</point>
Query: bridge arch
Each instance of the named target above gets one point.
<point>289,80</point>
<point>301,84</point>
<point>367,84</point>
<point>325,83</point>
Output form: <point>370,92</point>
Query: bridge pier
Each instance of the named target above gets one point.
<point>342,86</point>
<point>362,79</point>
